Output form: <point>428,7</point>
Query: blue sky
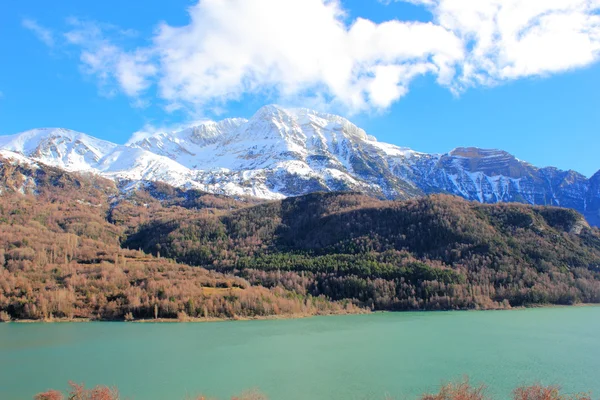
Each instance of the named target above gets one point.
<point>421,74</point>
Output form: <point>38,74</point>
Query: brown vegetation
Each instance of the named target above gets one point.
<point>439,252</point>
<point>458,391</point>
<point>462,390</point>
<point>452,391</point>
<point>538,392</point>
<point>61,258</point>
<point>79,392</point>
<point>73,247</point>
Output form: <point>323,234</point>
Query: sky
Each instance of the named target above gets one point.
<point>432,75</point>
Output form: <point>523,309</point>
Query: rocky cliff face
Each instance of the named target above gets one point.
<point>591,208</point>
<point>491,176</point>
<point>279,153</point>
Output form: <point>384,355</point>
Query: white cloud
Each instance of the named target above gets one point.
<point>298,48</point>
<point>108,62</point>
<point>292,50</point>
<point>510,39</point>
<point>43,34</point>
<point>308,51</point>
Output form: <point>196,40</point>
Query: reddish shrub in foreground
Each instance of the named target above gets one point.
<point>451,391</point>
<point>79,392</point>
<point>49,395</point>
<point>537,392</point>
<point>458,391</point>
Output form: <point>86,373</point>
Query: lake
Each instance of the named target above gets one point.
<point>338,357</point>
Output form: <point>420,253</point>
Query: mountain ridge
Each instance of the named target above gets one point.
<point>280,152</point>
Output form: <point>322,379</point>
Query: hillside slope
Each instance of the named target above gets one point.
<point>74,245</point>
<point>438,252</point>
<point>61,257</point>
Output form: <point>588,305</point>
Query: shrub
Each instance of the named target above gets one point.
<point>49,395</point>
<point>537,392</point>
<point>458,391</point>
<point>4,316</point>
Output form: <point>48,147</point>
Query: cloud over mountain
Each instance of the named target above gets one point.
<point>310,51</point>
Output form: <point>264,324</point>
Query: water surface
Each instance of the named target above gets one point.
<point>340,357</point>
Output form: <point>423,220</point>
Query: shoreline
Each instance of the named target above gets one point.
<point>186,320</point>
<point>282,316</point>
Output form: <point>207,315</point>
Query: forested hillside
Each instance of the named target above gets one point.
<point>438,252</point>
<point>75,246</point>
<point>60,257</point>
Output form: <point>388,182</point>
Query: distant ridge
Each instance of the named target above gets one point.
<point>288,152</point>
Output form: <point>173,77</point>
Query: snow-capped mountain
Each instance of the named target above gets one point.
<point>285,152</point>
<point>78,152</point>
<point>281,153</point>
<point>58,147</point>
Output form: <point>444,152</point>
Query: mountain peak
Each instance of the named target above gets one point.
<point>281,152</point>
<point>59,147</point>
<point>490,162</point>
<point>301,119</point>
<point>34,136</point>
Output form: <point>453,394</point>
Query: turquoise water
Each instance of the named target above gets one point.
<point>340,357</point>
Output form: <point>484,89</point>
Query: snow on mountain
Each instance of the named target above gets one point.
<point>63,148</point>
<point>128,163</point>
<point>282,152</point>
<point>285,152</point>
<point>16,158</point>
<point>192,147</point>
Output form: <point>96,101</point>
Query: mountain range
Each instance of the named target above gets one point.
<point>75,247</point>
<point>280,153</point>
